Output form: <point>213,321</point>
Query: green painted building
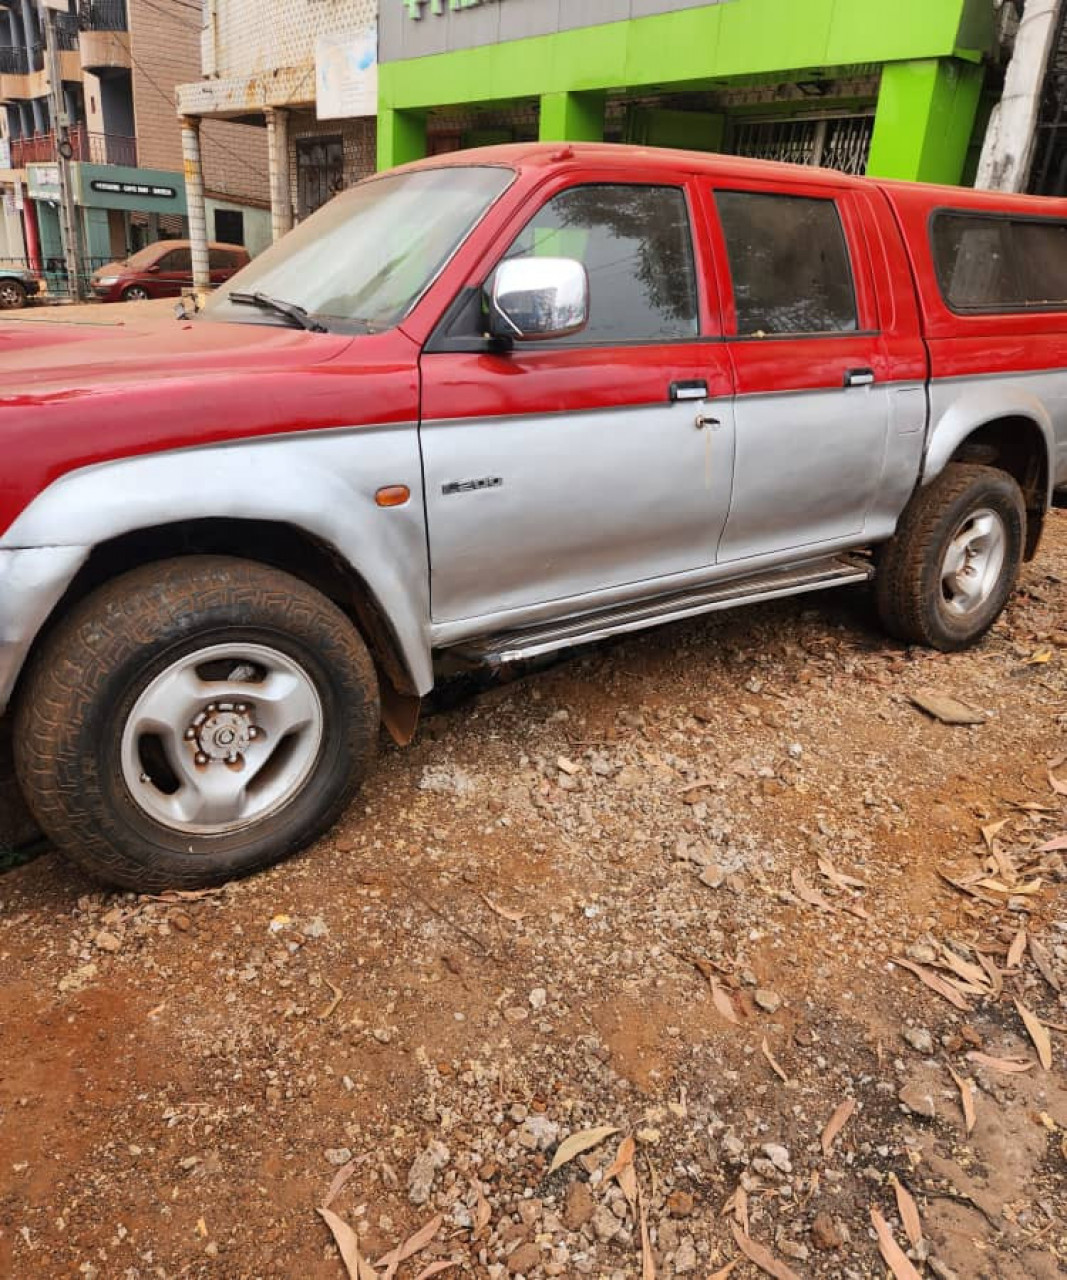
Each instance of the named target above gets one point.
<point>887,87</point>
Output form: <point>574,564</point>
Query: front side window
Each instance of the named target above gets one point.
<point>361,263</point>
<point>789,264</point>
<point>992,263</point>
<point>636,247</point>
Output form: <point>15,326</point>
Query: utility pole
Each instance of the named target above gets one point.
<point>68,218</point>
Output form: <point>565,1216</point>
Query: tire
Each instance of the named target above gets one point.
<point>12,295</point>
<point>950,569</point>
<point>135,293</point>
<point>194,721</point>
<point>18,831</point>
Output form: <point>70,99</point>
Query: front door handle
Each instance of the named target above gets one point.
<point>859,378</point>
<point>697,389</point>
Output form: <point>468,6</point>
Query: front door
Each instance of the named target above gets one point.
<point>568,473</point>
<point>810,369</point>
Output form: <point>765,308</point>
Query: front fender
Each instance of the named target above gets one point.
<point>958,410</point>
<point>320,482</point>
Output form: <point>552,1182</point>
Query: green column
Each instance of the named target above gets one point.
<point>401,137</point>
<point>572,117</point>
<point>926,116</point>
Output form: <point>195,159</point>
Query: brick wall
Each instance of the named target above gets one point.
<point>165,45</point>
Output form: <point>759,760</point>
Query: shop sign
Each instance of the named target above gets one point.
<point>133,189</point>
<point>43,181</point>
<point>346,74</point>
<point>419,8</point>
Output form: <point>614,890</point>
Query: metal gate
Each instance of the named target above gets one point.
<point>835,142</point>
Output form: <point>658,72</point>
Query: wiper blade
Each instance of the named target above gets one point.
<point>290,310</point>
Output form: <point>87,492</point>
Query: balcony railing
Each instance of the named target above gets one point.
<point>17,60</point>
<point>102,15</point>
<point>89,148</point>
<point>66,31</point>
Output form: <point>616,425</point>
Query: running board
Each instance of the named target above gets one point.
<point>513,646</point>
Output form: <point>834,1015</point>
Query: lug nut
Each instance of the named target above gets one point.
<point>201,758</point>
<point>190,734</point>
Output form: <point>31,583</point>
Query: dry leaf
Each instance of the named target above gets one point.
<point>435,1269</point>
<point>763,1258</point>
<point>738,1206</point>
<point>970,973</point>
<point>944,707</point>
<point>1059,787</point>
<point>936,983</point>
<point>348,1244</point>
<point>1043,961</point>
<point>623,1157</point>
<point>1038,1034</point>
<point>835,877</point>
<point>720,998</point>
<point>413,1245</point>
<point>1015,951</point>
<point>516,917</point>
<point>483,1213</point>
<point>648,1266</point>
<point>339,1180</point>
<point>837,1122</point>
<point>1039,657</point>
<point>992,829</point>
<point>1052,846</point>
<point>962,886</point>
<point>567,766</point>
<point>584,1140</point>
<point>724,1272</point>
<point>807,894</point>
<point>966,1088</point>
<point>995,980</point>
<point>627,1179</point>
<point>909,1212</point>
<point>773,1061</point>
<point>893,1254</point>
<point>1010,1066</point>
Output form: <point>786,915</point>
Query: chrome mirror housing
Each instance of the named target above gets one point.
<point>534,299</point>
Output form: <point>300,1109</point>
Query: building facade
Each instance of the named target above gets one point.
<point>887,88</point>
<point>303,71</point>
<point>119,62</point>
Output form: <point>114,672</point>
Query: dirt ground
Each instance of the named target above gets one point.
<point>671,886</point>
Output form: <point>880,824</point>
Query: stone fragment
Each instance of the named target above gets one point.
<point>825,1232</point>
<point>768,1001</point>
<point>680,1204</point>
<point>525,1258</point>
<point>578,1205</point>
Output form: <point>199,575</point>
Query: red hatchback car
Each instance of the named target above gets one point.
<point>163,270</point>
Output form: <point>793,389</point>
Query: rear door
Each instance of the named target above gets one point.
<point>223,264</point>
<point>810,367</point>
<point>566,473</point>
<point>175,272</point>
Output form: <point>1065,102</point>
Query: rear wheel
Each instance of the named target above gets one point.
<point>194,721</point>
<point>12,295</point>
<point>135,293</point>
<point>947,574</point>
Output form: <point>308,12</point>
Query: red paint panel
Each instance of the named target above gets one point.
<point>1015,353</point>
<point>90,395</point>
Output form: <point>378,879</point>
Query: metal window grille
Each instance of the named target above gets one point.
<point>1048,176</point>
<point>838,142</point>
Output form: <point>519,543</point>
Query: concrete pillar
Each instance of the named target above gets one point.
<point>572,117</point>
<point>281,198</point>
<point>401,137</point>
<point>194,196</point>
<point>925,119</point>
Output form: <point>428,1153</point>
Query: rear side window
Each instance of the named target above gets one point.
<point>177,260</point>
<point>636,247</point>
<point>789,264</point>
<point>992,263</point>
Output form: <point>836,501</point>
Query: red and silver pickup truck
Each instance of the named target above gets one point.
<point>492,405</point>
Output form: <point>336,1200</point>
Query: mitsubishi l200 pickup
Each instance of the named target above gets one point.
<point>491,405</point>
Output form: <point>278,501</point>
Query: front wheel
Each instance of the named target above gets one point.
<point>193,721</point>
<point>135,293</point>
<point>948,572</point>
<point>12,295</point>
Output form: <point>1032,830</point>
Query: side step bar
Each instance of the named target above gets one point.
<point>815,575</point>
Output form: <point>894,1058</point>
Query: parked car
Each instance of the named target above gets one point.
<point>489,406</point>
<point>17,285</point>
<point>163,270</point>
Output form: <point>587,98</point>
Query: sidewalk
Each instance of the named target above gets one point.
<point>110,313</point>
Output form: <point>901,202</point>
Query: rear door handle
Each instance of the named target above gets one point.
<point>859,378</point>
<point>694,390</point>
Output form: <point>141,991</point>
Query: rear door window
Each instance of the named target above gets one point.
<point>789,263</point>
<point>177,260</point>
<point>990,263</point>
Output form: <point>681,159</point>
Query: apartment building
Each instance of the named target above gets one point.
<point>305,71</point>
<point>119,62</point>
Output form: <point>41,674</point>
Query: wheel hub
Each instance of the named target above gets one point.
<point>222,731</point>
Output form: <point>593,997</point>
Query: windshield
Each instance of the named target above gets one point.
<point>151,253</point>
<point>364,260</point>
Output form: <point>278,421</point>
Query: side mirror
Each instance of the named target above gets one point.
<point>533,299</point>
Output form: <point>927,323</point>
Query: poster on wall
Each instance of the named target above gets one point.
<point>346,73</point>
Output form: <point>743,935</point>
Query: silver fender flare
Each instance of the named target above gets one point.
<point>321,483</point>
